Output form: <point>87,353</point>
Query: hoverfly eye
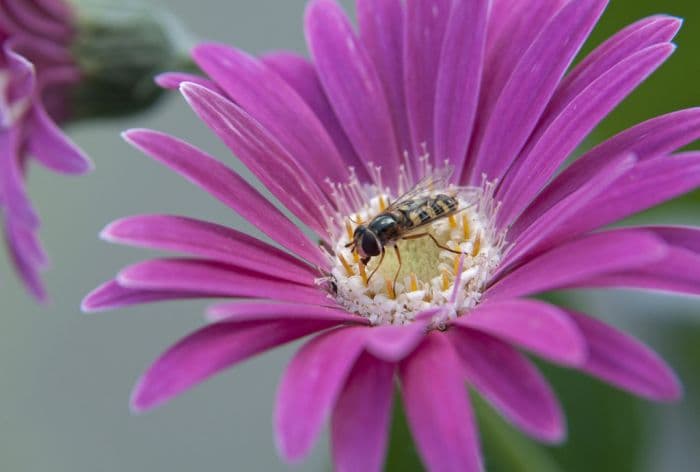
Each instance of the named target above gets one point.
<point>370,245</point>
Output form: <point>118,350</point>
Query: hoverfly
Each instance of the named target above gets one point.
<point>403,219</point>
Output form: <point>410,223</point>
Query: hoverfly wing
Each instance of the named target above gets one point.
<point>429,183</point>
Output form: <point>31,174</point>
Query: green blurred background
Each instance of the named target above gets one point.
<point>66,377</point>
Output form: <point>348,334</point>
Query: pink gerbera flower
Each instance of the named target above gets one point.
<point>37,73</point>
<point>471,86</point>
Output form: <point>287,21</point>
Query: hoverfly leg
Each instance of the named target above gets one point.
<point>396,277</point>
<point>381,259</point>
<point>437,243</point>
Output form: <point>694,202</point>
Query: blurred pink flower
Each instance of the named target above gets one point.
<point>475,86</point>
<point>37,71</point>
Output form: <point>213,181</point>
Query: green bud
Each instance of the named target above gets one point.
<point>119,47</point>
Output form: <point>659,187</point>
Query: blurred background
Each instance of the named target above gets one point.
<point>66,377</point>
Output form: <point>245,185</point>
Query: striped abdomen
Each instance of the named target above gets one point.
<point>425,210</point>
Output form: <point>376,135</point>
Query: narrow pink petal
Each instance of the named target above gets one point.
<point>624,362</point>
<point>210,350</point>
<point>459,80</point>
<point>21,79</point>
<point>13,192</point>
<point>261,311</point>
<point>509,381</point>
<point>647,184</point>
<point>353,86</point>
<point>531,85</point>
<point>540,328</point>
<point>580,259</point>
<point>424,28</point>
<point>622,45</point>
<point>207,240</point>
<point>228,187</point>
<point>52,148</point>
<point>394,343</point>
<point>58,9</point>
<point>260,152</point>
<point>274,104</point>
<point>111,295</point>
<point>199,276</point>
<point>34,21</point>
<point>687,237</point>
<point>437,408</point>
<point>26,267</point>
<point>311,386</point>
<point>513,26</point>
<point>381,25</point>
<point>47,56</point>
<point>26,241</point>
<point>301,75</point>
<point>678,271</point>
<point>559,137</point>
<point>656,137</point>
<point>543,232</point>
<point>173,81</point>
<point>360,421</point>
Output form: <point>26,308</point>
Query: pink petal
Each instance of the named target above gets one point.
<point>531,85</point>
<point>623,361</point>
<point>437,408</point>
<point>649,183</point>
<point>199,276</point>
<point>509,381</point>
<point>173,81</point>
<point>353,86</point>
<point>544,232</point>
<point>580,259</point>
<point>26,266</point>
<point>58,9</point>
<point>425,25</point>
<point>210,350</point>
<point>656,137</point>
<point>687,237</point>
<point>311,386</point>
<point>227,186</point>
<point>111,295</point>
<point>360,422</point>
<point>536,326</point>
<point>301,75</point>
<point>33,21</point>
<point>560,135</point>
<point>624,44</point>
<point>381,31</point>
<point>259,311</point>
<point>50,146</point>
<point>270,101</point>
<point>513,26</point>
<point>27,243</point>
<point>394,343</point>
<point>207,240</point>
<point>678,271</point>
<point>13,192</point>
<point>260,152</point>
<point>459,80</point>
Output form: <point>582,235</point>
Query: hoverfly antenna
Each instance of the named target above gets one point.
<point>353,221</point>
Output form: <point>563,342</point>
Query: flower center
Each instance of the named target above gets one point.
<point>439,246</point>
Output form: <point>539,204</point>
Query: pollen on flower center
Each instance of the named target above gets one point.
<point>445,258</point>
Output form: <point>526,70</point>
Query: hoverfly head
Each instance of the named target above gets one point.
<point>368,244</point>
